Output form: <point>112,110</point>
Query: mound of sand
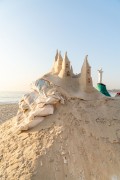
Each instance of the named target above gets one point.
<point>80,141</point>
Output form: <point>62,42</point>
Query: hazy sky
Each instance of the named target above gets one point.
<point>32,30</point>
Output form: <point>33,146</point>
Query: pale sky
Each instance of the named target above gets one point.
<point>32,30</point>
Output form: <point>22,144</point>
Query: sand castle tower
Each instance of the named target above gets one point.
<point>71,69</point>
<point>58,64</point>
<point>55,60</point>
<point>66,69</point>
<point>85,78</point>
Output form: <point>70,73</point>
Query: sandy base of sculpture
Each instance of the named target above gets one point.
<point>81,140</point>
<point>71,87</point>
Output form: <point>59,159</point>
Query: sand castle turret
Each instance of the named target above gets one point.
<point>55,60</point>
<point>58,64</point>
<point>71,69</point>
<point>66,69</point>
<point>85,78</point>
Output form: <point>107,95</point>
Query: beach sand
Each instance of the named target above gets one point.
<point>81,140</point>
<point>7,111</point>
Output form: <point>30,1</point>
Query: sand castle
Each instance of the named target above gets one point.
<point>63,69</point>
<point>53,88</point>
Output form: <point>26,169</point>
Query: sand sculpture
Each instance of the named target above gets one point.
<point>78,137</point>
<point>53,88</point>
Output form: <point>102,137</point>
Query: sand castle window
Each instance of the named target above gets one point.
<point>67,65</point>
<point>68,73</point>
<point>88,71</point>
<point>89,80</point>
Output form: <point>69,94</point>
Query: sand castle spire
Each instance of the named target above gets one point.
<point>86,61</point>
<point>66,57</point>
<point>55,59</point>
<point>56,56</point>
<point>85,78</point>
<point>66,70</point>
<point>58,64</point>
<point>65,61</point>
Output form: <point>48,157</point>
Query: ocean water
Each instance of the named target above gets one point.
<point>7,97</point>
